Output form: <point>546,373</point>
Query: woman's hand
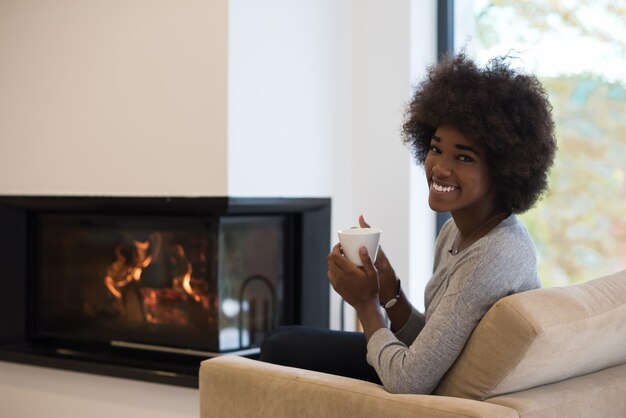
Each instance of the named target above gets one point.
<point>356,285</point>
<point>386,274</point>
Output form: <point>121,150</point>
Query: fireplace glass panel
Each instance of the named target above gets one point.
<point>250,276</point>
<point>155,280</point>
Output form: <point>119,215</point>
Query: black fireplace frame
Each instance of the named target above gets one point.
<point>306,300</point>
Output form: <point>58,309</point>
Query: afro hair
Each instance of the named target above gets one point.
<point>504,111</point>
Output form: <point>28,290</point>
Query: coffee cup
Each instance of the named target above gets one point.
<point>353,239</point>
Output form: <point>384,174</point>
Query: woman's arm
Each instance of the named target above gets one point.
<point>400,312</point>
<point>419,367</point>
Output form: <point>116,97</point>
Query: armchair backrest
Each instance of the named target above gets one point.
<point>540,337</point>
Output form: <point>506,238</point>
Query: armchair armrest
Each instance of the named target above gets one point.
<point>239,387</point>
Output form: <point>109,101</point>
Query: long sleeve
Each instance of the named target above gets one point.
<point>419,367</point>
<point>412,328</point>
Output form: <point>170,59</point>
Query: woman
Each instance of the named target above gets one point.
<point>485,137</point>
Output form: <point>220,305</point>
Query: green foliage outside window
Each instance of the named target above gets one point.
<point>580,225</point>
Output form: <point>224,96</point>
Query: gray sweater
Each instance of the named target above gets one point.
<point>460,292</point>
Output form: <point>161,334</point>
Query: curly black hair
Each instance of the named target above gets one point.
<point>504,111</point>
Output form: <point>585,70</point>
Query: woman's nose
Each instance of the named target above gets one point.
<point>442,168</point>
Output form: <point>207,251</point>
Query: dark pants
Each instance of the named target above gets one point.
<point>336,352</point>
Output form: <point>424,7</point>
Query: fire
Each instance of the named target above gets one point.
<point>160,304</point>
<point>186,278</point>
<point>120,273</point>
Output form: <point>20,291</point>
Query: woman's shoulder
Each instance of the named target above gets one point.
<point>510,236</point>
<point>508,244</point>
<point>508,251</point>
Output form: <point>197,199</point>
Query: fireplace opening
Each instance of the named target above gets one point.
<point>148,287</point>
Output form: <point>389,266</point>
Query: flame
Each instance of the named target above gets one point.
<point>120,273</point>
<point>160,304</point>
<point>186,278</point>
<point>110,284</point>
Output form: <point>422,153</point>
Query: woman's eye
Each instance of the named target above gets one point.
<point>434,150</point>
<point>465,158</point>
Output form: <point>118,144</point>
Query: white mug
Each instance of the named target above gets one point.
<point>353,239</point>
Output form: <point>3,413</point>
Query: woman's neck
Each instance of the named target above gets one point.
<point>467,222</point>
<point>473,228</point>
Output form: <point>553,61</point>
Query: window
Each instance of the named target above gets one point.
<point>578,50</point>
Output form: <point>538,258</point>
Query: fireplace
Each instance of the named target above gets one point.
<point>146,288</point>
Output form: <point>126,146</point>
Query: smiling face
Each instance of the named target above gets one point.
<point>458,176</point>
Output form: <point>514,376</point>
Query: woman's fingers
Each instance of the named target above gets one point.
<point>368,267</point>
<point>362,222</point>
<point>380,255</point>
<point>337,259</point>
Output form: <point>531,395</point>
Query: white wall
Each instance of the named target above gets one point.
<point>319,114</point>
<point>380,82</point>
<point>113,97</point>
<point>290,103</point>
<point>277,98</point>
<point>285,88</point>
<point>422,225</point>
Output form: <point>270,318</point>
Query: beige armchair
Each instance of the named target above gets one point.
<point>556,352</point>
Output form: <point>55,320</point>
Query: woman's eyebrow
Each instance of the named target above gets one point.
<point>459,146</point>
<point>467,148</point>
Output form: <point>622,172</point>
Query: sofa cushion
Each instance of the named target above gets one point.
<point>599,394</point>
<point>541,337</point>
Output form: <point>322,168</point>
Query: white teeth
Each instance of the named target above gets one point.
<point>442,188</point>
